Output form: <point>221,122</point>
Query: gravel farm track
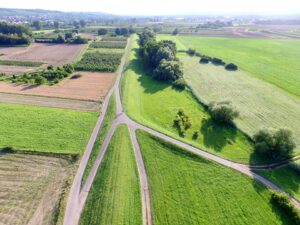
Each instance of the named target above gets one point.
<point>78,196</point>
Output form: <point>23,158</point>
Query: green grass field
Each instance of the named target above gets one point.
<point>187,189</point>
<point>286,178</point>
<point>156,104</point>
<point>261,105</point>
<point>115,195</point>
<point>274,61</point>
<point>45,129</point>
<point>108,119</point>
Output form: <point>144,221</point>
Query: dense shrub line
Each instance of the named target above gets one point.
<point>109,44</point>
<point>20,63</point>
<point>282,200</point>
<point>49,76</point>
<point>96,61</point>
<point>12,34</point>
<point>204,59</point>
<point>160,58</point>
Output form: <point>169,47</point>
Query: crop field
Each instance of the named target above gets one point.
<point>156,104</point>
<point>261,105</point>
<point>88,86</point>
<point>53,102</point>
<point>286,178</point>
<point>115,195</point>
<point>97,61</point>
<point>54,54</point>
<point>274,61</point>
<point>20,63</point>
<point>109,44</point>
<point>188,189</point>
<point>31,188</point>
<point>122,39</point>
<point>108,119</point>
<point>45,129</point>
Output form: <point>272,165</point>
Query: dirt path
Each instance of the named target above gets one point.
<point>77,199</point>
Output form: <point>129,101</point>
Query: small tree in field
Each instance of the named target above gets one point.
<point>222,112</point>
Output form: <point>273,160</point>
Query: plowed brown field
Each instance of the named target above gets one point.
<point>54,54</point>
<point>90,86</point>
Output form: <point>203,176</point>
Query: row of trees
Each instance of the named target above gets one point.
<point>160,57</point>
<point>12,34</point>
<point>119,31</point>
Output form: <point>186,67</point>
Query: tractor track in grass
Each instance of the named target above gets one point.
<point>78,196</point>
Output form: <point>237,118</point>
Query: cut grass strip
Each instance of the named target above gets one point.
<point>114,198</point>
<point>108,119</point>
<point>21,63</point>
<point>188,189</point>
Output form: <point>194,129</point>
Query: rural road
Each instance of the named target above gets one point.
<point>78,198</point>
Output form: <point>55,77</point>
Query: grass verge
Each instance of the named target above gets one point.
<point>21,63</point>
<point>115,195</point>
<point>188,189</point>
<point>108,119</point>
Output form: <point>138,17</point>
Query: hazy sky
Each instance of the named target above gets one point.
<point>159,7</point>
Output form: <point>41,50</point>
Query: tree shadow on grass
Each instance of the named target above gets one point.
<point>150,85</point>
<point>217,136</point>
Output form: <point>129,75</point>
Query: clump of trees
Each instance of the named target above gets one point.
<point>12,34</point>
<point>191,52</point>
<point>222,112</point>
<point>231,67</point>
<point>49,76</point>
<point>282,200</point>
<point>182,122</point>
<point>160,58</point>
<point>274,142</point>
<point>102,31</point>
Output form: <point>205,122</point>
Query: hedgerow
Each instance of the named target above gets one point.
<point>108,44</point>
<point>124,39</point>
<point>96,61</point>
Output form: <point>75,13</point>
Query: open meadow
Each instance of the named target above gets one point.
<point>156,104</point>
<point>187,189</point>
<point>261,105</point>
<point>115,196</point>
<point>32,188</point>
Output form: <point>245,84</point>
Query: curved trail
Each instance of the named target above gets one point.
<point>77,199</point>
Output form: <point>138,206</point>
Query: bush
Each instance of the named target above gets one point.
<point>179,84</point>
<point>68,68</point>
<point>50,67</point>
<point>217,61</point>
<point>222,112</point>
<point>231,67</point>
<point>102,31</point>
<point>80,40</point>
<point>182,122</point>
<point>204,60</point>
<point>191,52</point>
<point>272,142</point>
<point>282,201</point>
<point>39,80</point>
<point>196,135</point>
